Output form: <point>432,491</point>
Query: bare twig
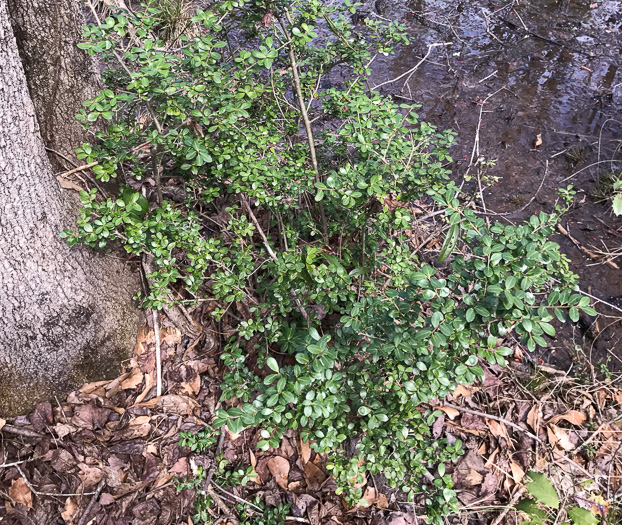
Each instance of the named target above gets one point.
<point>305,116</point>
<point>23,432</point>
<point>155,168</point>
<point>411,71</point>
<point>496,418</point>
<point>158,352</point>
<point>91,504</point>
<point>210,474</point>
<point>582,248</point>
<point>510,505</point>
<point>37,493</point>
<point>274,258</point>
<point>79,168</point>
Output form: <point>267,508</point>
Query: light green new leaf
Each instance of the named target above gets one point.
<point>271,362</point>
<point>542,489</point>
<point>581,516</point>
<point>450,242</point>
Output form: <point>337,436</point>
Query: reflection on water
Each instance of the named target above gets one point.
<point>560,62</point>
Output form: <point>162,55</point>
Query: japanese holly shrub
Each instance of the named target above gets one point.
<point>296,217</point>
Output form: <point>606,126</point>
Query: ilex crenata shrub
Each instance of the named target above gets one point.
<point>296,216</point>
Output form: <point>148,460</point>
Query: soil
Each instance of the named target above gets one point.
<point>559,62</point>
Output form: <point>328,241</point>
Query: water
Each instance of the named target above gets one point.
<point>555,68</point>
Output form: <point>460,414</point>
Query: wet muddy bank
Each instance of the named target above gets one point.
<point>543,83</point>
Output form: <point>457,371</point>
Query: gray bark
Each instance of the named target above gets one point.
<point>60,76</point>
<point>66,314</point>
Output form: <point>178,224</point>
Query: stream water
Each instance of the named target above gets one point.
<point>549,73</point>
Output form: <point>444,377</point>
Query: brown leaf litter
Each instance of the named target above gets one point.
<point>109,453</point>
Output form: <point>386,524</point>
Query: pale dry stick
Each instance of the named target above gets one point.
<point>15,463</point>
<point>583,249</point>
<point>305,116</point>
<point>158,352</point>
<point>488,28</point>
<point>237,498</point>
<point>614,307</point>
<point>274,258</point>
<point>600,135</point>
<point>23,432</point>
<point>521,19</point>
<point>37,493</point>
<point>91,504</point>
<point>518,427</point>
<point>79,168</point>
<point>210,474</point>
<point>491,74</point>
<point>411,71</point>
<point>221,504</point>
<point>127,70</point>
<point>585,168</point>
<point>517,495</point>
<point>593,436</point>
<point>546,172</point>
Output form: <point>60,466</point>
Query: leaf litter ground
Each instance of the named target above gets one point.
<point>109,453</point>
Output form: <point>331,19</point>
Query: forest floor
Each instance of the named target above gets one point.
<point>109,453</point>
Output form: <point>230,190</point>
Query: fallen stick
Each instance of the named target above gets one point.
<point>582,248</point>
<point>24,432</point>
<point>79,168</point>
<point>158,352</point>
<point>91,504</point>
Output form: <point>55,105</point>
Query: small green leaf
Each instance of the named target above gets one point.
<point>364,411</point>
<point>581,516</point>
<point>530,507</point>
<point>450,242</point>
<point>271,362</point>
<point>573,314</point>
<point>542,489</point>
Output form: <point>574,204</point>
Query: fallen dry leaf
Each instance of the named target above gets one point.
<point>256,478</point>
<point>533,418</point>
<point>2,423</point>
<point>517,472</point>
<point>67,184</point>
<point>538,141</point>
<point>559,437</point>
<point>451,412</point>
<point>491,459</point>
<point>373,497</point>
<point>89,476</point>
<point>134,379</point>
<point>314,475</point>
<point>464,391</point>
<point>473,478</point>
<point>304,450</point>
<point>498,429</point>
<point>20,492</point>
<point>70,510</point>
<point>572,416</point>
<point>279,468</point>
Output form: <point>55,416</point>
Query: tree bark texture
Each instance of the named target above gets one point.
<point>60,76</point>
<point>66,314</point>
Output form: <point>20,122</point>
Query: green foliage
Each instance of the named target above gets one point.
<point>344,333</point>
<point>545,494</point>
<point>542,489</point>
<point>581,516</point>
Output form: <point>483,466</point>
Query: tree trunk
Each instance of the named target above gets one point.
<point>66,314</point>
<point>60,76</point>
